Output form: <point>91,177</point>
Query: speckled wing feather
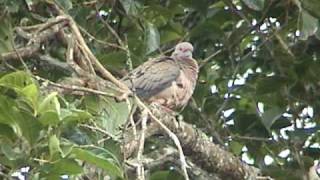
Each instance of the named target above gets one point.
<point>152,77</point>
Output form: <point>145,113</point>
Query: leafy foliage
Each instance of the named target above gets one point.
<point>35,132</point>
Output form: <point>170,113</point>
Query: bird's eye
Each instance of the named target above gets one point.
<point>180,49</point>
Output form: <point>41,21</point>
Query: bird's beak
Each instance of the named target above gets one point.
<point>188,53</point>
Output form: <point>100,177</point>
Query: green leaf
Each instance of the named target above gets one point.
<point>66,4</point>
<point>270,84</point>
<point>218,4</point>
<point>30,126</point>
<point>50,103</point>
<point>298,136</point>
<point>152,38</point>
<point>6,132</point>
<point>31,93</point>
<point>9,114</point>
<point>270,116</point>
<point>236,147</point>
<point>6,35</point>
<point>256,5</point>
<point>170,32</point>
<point>130,6</point>
<point>312,6</point>
<point>54,146</point>
<point>12,6</point>
<point>308,25</point>
<point>16,80</point>
<point>280,123</point>
<point>206,27</point>
<point>64,167</point>
<point>98,161</point>
<point>115,112</point>
<point>7,150</point>
<point>93,104</point>
<point>113,60</point>
<point>22,122</point>
<point>49,118</point>
<point>77,115</point>
<point>159,175</point>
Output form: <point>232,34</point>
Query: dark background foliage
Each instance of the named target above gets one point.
<point>257,91</point>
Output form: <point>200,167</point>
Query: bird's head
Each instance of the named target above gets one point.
<point>183,51</point>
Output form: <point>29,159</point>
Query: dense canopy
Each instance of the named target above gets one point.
<point>63,112</point>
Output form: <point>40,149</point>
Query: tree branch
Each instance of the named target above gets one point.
<point>206,154</point>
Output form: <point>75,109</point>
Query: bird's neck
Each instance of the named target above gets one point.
<point>190,67</point>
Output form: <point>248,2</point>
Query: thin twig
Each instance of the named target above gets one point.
<point>170,134</point>
<point>88,60</point>
<point>207,59</point>
<point>96,128</point>
<point>51,22</point>
<point>76,88</point>
<point>101,41</point>
<point>113,32</point>
<point>140,166</point>
<point>284,45</point>
<point>132,110</point>
<point>250,138</point>
<point>82,45</point>
<point>21,59</point>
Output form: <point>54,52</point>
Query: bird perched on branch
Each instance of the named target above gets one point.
<point>167,81</point>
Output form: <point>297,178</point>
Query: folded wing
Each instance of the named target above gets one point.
<point>153,77</point>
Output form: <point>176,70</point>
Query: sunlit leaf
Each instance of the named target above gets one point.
<point>63,167</point>
<point>98,161</point>
<point>18,79</point>
<point>50,103</point>
<point>271,115</point>
<point>256,5</point>
<point>309,25</point>
<point>9,114</point>
<point>66,4</point>
<point>6,132</point>
<point>236,147</point>
<point>31,93</point>
<point>10,153</point>
<point>130,6</point>
<point>312,6</point>
<point>152,38</point>
<point>77,115</point>
<point>54,146</point>
<point>6,35</point>
<point>115,112</point>
<point>30,127</point>
<point>49,118</point>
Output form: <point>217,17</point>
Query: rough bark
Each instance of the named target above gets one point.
<point>198,147</point>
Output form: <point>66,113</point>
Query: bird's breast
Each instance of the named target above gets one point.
<point>177,94</point>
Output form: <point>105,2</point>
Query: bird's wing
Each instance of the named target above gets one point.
<point>153,76</point>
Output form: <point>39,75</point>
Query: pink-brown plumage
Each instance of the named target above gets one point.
<point>168,81</point>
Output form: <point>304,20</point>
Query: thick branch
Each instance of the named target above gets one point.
<point>207,154</point>
<point>201,150</point>
<point>32,48</point>
<point>25,52</point>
